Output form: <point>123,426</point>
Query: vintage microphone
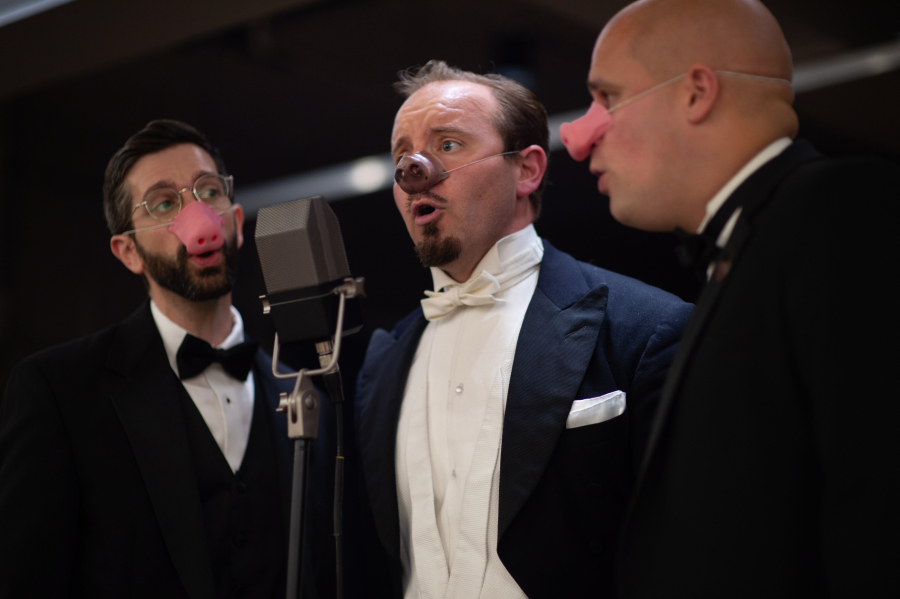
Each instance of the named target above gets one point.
<point>311,297</point>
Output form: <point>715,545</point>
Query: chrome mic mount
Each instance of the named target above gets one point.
<point>302,404</point>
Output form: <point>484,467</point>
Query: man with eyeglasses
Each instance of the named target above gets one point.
<point>774,466</point>
<point>147,459</point>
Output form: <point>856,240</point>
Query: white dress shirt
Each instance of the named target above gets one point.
<point>463,360</point>
<point>225,403</point>
<point>768,153</point>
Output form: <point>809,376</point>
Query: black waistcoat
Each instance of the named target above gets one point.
<point>242,511</point>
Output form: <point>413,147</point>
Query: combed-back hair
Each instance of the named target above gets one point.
<point>521,120</point>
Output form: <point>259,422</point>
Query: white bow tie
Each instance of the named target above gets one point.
<point>474,292</point>
<point>480,290</point>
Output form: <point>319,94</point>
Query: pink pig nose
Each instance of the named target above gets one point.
<point>199,228</point>
<point>580,135</point>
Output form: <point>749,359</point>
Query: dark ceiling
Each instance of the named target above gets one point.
<point>284,87</point>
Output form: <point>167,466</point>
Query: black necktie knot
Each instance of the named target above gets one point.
<point>696,251</point>
<point>195,355</point>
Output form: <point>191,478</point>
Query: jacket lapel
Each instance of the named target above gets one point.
<point>381,387</point>
<point>557,339</point>
<point>148,405</point>
<point>752,195</point>
<point>284,452</point>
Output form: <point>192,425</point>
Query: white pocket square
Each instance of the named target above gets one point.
<point>595,410</point>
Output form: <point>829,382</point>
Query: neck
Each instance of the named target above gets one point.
<point>461,269</point>
<point>210,320</point>
<point>719,168</point>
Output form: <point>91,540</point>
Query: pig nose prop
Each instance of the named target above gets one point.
<point>422,171</point>
<point>419,173</point>
<point>580,135</point>
<point>199,228</point>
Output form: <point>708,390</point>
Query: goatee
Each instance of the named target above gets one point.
<point>207,284</point>
<point>435,250</point>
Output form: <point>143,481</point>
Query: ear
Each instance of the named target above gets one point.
<point>122,247</point>
<point>532,167</point>
<point>238,213</point>
<point>702,84</point>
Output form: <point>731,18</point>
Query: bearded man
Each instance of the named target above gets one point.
<point>500,424</point>
<point>147,459</point>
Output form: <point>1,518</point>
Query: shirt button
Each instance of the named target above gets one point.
<point>240,540</point>
<point>459,389</point>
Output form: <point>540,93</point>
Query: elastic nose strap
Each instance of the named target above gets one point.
<point>199,228</point>
<point>447,173</point>
<point>580,135</point>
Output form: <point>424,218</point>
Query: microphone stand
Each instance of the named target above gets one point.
<point>302,408</point>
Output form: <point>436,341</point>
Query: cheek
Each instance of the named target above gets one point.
<point>400,199</point>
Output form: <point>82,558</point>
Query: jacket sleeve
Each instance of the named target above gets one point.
<point>840,304</point>
<point>650,375</point>
<point>38,490</point>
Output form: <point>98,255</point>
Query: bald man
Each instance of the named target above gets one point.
<point>773,468</point>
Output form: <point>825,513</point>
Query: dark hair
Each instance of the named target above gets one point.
<point>521,120</point>
<point>155,137</point>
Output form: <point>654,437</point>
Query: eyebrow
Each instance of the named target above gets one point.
<point>598,84</point>
<point>445,129</point>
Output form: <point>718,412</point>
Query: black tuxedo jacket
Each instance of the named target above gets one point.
<point>98,496</point>
<point>563,492</point>
<point>774,464</point>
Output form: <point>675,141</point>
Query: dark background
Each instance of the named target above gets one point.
<point>284,87</point>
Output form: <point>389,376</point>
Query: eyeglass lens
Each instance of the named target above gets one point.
<point>164,204</point>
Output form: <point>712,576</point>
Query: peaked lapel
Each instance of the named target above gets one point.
<point>147,403</point>
<point>557,339</point>
<point>284,452</point>
<point>379,397</point>
<point>752,195</point>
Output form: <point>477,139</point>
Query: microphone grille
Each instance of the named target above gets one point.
<point>300,245</point>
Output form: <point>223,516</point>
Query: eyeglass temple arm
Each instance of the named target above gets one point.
<point>169,224</point>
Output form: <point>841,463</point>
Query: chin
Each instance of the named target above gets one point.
<point>631,215</point>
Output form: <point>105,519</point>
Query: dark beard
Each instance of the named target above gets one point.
<point>209,283</point>
<point>437,251</point>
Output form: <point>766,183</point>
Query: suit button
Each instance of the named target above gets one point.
<point>239,590</point>
<point>595,490</point>
<point>596,546</point>
<point>242,487</point>
<point>240,540</point>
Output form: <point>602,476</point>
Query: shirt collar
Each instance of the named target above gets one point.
<point>173,335</point>
<point>768,153</point>
<point>496,258</point>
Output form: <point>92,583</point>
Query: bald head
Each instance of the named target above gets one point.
<point>668,36</point>
<point>668,152</point>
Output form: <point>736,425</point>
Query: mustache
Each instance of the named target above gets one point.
<point>424,195</point>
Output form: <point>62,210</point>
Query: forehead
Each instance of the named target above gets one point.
<point>461,104</point>
<point>612,62</point>
<point>178,165</point>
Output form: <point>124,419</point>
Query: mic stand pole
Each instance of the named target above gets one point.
<point>302,408</point>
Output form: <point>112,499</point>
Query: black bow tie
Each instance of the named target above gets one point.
<point>195,355</point>
<point>695,252</point>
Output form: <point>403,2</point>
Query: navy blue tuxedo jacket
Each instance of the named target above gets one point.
<point>563,492</point>
<point>98,494</point>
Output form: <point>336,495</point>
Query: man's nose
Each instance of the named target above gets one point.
<point>419,172</point>
<point>581,135</point>
<point>199,228</point>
